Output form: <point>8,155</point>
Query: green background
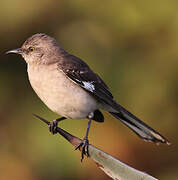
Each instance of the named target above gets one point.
<point>133,45</point>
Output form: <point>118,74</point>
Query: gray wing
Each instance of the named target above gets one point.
<point>80,73</point>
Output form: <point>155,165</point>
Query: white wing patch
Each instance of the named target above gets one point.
<point>89,86</point>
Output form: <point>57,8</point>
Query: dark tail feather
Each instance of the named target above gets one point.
<point>139,127</point>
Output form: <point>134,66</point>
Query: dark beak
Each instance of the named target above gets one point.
<point>16,51</point>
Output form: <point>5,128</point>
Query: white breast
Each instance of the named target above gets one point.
<point>59,93</point>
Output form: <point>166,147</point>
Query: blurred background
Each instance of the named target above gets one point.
<point>133,45</point>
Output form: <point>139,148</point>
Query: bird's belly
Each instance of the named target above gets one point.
<point>63,96</point>
<point>69,102</point>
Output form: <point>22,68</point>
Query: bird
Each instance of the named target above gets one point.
<point>70,88</point>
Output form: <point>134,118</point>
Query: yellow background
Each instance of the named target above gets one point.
<point>133,45</point>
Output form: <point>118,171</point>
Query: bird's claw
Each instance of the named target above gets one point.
<point>84,148</point>
<point>53,126</point>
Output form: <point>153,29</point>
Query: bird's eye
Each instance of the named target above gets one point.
<point>31,49</point>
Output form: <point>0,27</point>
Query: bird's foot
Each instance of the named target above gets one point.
<point>53,126</point>
<point>84,148</point>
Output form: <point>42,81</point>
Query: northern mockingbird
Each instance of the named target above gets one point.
<point>68,86</point>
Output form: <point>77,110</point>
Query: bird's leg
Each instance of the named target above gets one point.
<point>53,125</point>
<point>84,144</point>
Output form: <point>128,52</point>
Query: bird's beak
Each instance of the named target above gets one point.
<point>16,51</point>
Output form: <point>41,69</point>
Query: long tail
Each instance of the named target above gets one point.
<point>139,127</point>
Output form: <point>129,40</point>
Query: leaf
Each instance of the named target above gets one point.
<point>111,166</point>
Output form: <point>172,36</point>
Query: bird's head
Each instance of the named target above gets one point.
<point>39,49</point>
